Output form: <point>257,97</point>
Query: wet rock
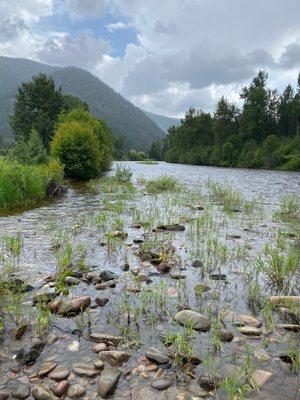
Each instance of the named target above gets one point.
<point>169,228</point>
<point>289,327</point>
<point>136,226</point>
<point>20,391</point>
<point>260,377</point>
<point>197,321</point>
<point>118,234</point>
<point>105,338</point>
<point>197,264</point>
<point>198,207</point>
<point>108,275</point>
<point>288,357</point>
<point>59,373</point>
<point>108,381</point>
<point>172,292</point>
<point>177,276</point>
<point>41,392</point>
<point>234,236</point>
<point>4,394</point>
<point>164,267</point>
<point>138,240</point>
<point>44,296</point>
<point>146,393</point>
<point>230,371</point>
<point>101,301</point>
<point>18,285</point>
<point>201,288</point>
<point>218,277</point>
<point>209,382</point>
<point>74,306</point>
<point>30,355</point>
<point>60,388</point>
<point>261,355</point>
<point>286,301</point>
<point>125,267</point>
<point>115,357</point>
<point>161,384</point>
<point>98,364</point>
<point>99,347</point>
<point>46,368</point>
<point>21,330</point>
<point>157,355</point>
<point>51,338</point>
<point>75,391</point>
<point>85,370</point>
<point>71,280</point>
<point>250,331</point>
<point>244,319</point>
<point>226,336</point>
<point>101,286</point>
<point>196,390</point>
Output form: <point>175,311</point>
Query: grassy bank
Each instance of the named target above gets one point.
<point>23,185</point>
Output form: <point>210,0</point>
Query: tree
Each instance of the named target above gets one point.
<point>37,106</point>
<point>31,152</point>
<point>258,118</point>
<point>286,112</point>
<point>99,127</point>
<point>71,102</point>
<point>155,151</point>
<point>226,121</point>
<point>76,146</point>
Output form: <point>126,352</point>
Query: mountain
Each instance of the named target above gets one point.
<point>122,116</point>
<point>163,122</point>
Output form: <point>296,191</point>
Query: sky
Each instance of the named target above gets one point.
<point>163,55</point>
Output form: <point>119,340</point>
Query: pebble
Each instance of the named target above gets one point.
<point>75,391</point>
<point>60,388</point>
<point>157,355</point>
<point>161,384</point>
<point>59,373</point>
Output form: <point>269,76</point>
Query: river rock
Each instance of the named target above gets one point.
<point>99,347</point>
<point>250,331</point>
<point>289,327</point>
<point>197,264</point>
<point>101,301</point>
<point>60,388</point>
<point>108,275</point>
<point>260,377</point>
<point>199,322</point>
<point>244,319</point>
<point>105,338</point>
<point>30,355</point>
<point>20,391</point>
<point>157,355</point>
<point>41,392</point>
<point>209,382</point>
<point>98,364</point>
<point>46,368</point>
<point>115,357</point>
<point>170,228</point>
<point>108,381</point>
<point>218,277</point>
<point>44,296</point>
<point>74,306</point>
<point>4,394</point>
<point>226,336</point>
<point>59,373</point>
<point>286,301</point>
<point>146,393</point>
<point>82,369</point>
<point>75,391</point>
<point>161,384</point>
<point>261,355</point>
<point>71,280</point>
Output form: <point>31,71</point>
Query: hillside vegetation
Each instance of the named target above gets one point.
<point>121,116</point>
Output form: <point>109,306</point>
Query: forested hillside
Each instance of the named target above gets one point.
<point>163,122</point>
<point>265,133</point>
<point>123,117</point>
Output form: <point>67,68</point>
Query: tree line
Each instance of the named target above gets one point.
<point>265,133</point>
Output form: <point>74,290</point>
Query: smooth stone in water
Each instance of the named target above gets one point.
<point>226,336</point>
<point>157,355</point>
<point>21,391</point>
<point>108,275</point>
<point>161,384</point>
<point>209,382</point>
<point>71,280</point>
<point>74,306</point>
<point>75,391</point>
<point>59,373</point>
<point>60,388</point>
<point>99,347</point>
<point>101,301</point>
<point>197,321</point>
<point>244,319</point>
<point>29,356</point>
<point>250,331</point>
<point>41,392</point>
<point>105,337</point>
<point>108,381</point>
<point>85,370</point>
<point>260,377</point>
<point>4,394</point>
<point>46,368</point>
<point>98,364</point>
<point>115,357</point>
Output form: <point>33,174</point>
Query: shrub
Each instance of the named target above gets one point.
<point>134,155</point>
<point>123,174</point>
<point>31,152</point>
<point>162,184</point>
<point>22,185</point>
<point>76,145</point>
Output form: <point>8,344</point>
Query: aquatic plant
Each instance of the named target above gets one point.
<point>289,208</point>
<point>162,184</point>
<point>123,174</point>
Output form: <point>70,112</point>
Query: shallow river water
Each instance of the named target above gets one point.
<point>225,244</point>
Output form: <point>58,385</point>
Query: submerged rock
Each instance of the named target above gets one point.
<point>108,381</point>
<point>197,264</point>
<point>157,355</point>
<point>82,369</point>
<point>4,394</point>
<point>75,391</point>
<point>218,277</point>
<point>161,384</point>
<point>226,336</point>
<point>74,306</point>
<point>169,228</point>
<point>60,388</point>
<point>59,373</point>
<point>250,331</point>
<point>285,301</point>
<point>105,337</point>
<point>115,357</point>
<point>71,280</point>
<point>41,392</point>
<point>197,321</point>
<point>20,391</point>
<point>108,275</point>
<point>209,382</point>
<point>29,356</point>
<point>244,319</point>
<point>260,377</point>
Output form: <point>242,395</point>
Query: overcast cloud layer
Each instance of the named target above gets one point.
<point>162,55</point>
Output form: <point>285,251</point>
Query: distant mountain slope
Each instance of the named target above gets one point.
<point>163,122</point>
<point>122,116</point>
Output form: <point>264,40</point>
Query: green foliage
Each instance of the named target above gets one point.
<point>134,155</point>
<point>72,102</point>
<point>76,145</point>
<point>22,185</point>
<point>162,184</point>
<point>123,174</point>
<point>262,135</point>
<point>37,106</point>
<point>31,152</point>
<point>100,129</point>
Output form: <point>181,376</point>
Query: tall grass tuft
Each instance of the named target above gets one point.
<point>23,185</point>
<point>162,184</point>
<point>289,208</point>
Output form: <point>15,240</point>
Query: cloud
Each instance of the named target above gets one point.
<point>117,26</point>
<point>167,29</point>
<point>10,29</point>
<point>87,8</point>
<point>290,57</point>
<point>83,50</point>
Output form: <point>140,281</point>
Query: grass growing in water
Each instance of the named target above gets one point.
<point>22,185</point>
<point>162,184</point>
<point>289,209</point>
